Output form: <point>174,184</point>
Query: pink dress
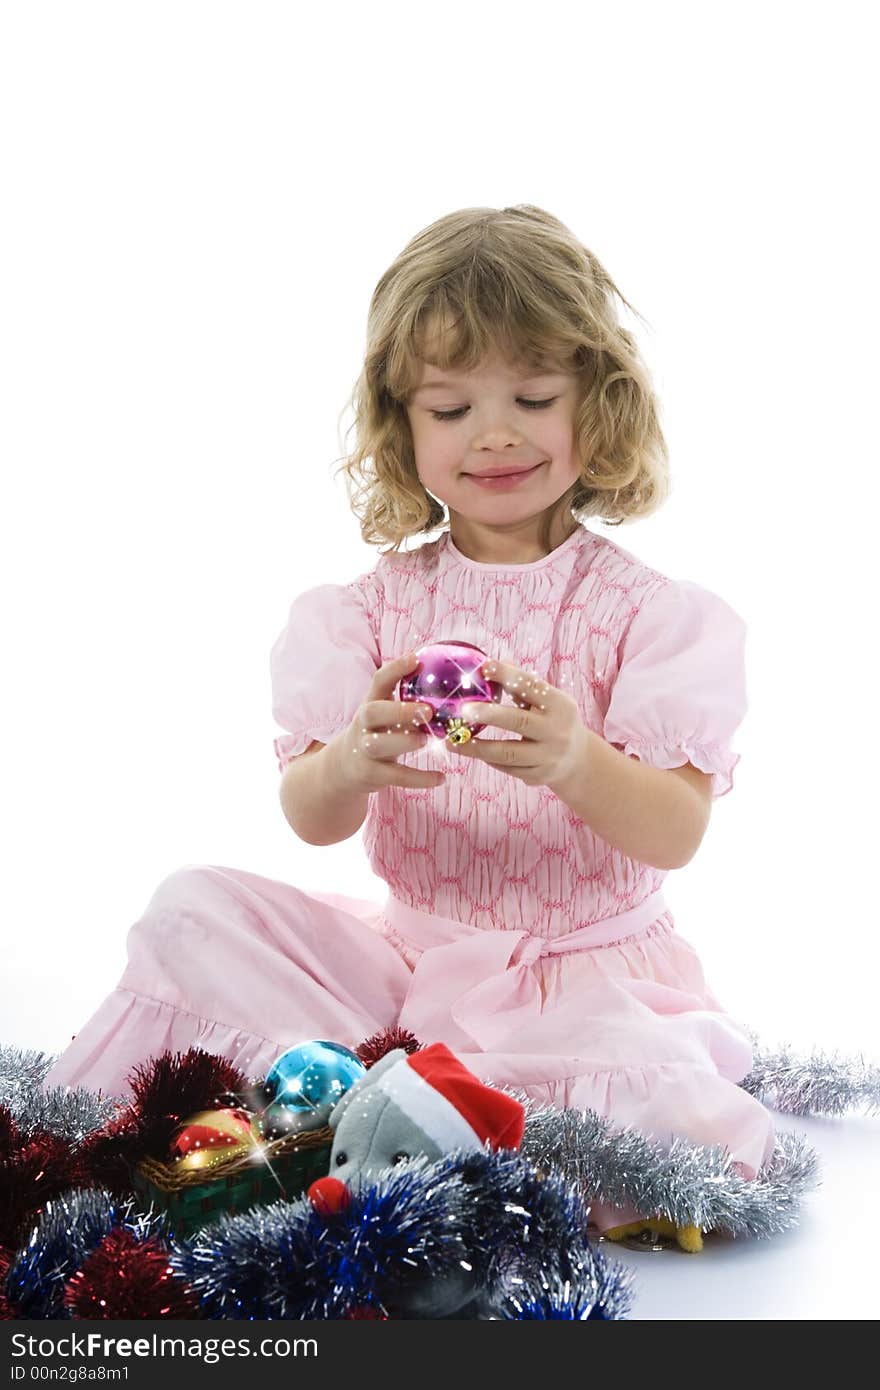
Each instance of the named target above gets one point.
<point>542,955</point>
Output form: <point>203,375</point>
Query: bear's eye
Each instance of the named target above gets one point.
<point>341,1157</point>
<point>399,1157</point>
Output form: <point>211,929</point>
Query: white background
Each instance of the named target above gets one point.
<point>199,200</point>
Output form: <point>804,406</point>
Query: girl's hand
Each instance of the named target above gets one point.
<point>381,731</point>
<point>553,739</point>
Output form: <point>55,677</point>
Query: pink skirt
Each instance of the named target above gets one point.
<point>616,1017</point>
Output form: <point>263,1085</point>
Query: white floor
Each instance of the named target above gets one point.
<point>823,1269</point>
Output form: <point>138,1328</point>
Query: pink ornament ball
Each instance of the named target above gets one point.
<point>446,678</point>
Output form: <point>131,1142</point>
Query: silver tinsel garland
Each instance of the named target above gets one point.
<point>690,1184</point>
<point>71,1113</point>
<point>821,1084</point>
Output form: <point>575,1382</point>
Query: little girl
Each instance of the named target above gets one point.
<point>500,403</point>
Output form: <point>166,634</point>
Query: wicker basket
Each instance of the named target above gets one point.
<point>191,1199</point>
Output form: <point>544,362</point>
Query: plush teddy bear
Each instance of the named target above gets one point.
<point>425,1103</point>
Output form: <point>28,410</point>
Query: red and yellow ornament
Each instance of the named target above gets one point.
<point>211,1137</point>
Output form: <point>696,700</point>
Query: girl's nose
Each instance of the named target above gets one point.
<point>328,1195</point>
<point>498,436</point>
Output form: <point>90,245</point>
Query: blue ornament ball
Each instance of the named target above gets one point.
<point>305,1083</point>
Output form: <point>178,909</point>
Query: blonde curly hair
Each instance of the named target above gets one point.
<point>513,280</point>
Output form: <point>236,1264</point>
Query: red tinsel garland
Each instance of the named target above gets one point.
<point>32,1169</point>
<point>8,1131</point>
<point>128,1278</point>
<point>5,1261</point>
<point>386,1040</point>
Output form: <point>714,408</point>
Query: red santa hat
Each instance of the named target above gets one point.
<point>451,1105</point>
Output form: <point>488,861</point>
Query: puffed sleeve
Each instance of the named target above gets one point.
<point>680,690</point>
<point>321,665</point>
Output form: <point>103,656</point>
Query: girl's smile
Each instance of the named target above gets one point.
<point>502,481</point>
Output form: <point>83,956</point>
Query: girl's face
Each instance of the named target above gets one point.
<point>498,419</point>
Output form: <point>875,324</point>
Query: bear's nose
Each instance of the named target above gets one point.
<point>328,1195</point>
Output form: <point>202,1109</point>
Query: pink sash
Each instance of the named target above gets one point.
<point>481,979</point>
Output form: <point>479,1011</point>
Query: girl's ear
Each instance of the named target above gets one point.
<point>362,1083</point>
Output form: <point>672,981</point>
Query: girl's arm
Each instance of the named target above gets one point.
<point>325,791</point>
<point>316,805</point>
<point>656,815</point>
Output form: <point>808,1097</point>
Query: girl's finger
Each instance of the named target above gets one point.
<point>525,688</point>
<point>390,674</point>
<point>504,753</point>
<point>395,714</point>
<point>503,717</point>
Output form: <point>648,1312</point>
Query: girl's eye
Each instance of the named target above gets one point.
<point>456,414</point>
